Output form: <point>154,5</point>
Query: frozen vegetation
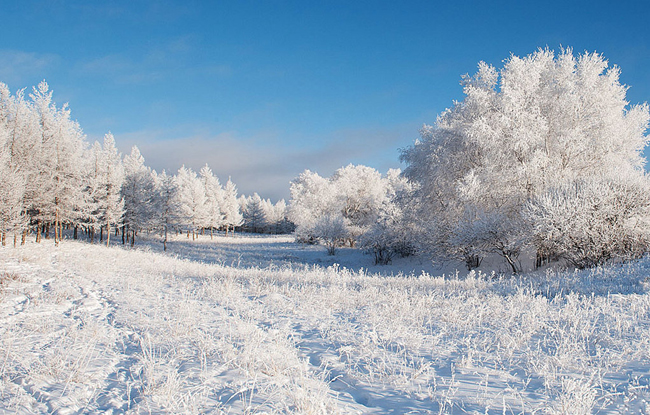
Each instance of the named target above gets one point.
<point>540,166</point>
<point>264,325</point>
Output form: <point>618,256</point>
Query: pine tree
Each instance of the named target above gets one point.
<point>254,216</point>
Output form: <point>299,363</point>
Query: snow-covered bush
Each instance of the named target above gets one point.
<point>356,193</point>
<point>331,231</point>
<point>591,221</point>
<point>391,233</point>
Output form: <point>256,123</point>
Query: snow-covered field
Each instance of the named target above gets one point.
<point>263,325</point>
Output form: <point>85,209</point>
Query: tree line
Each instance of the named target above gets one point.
<point>542,157</point>
<point>52,180</point>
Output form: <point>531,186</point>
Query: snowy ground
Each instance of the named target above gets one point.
<point>263,325</point>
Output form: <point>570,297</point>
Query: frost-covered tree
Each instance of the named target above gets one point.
<point>254,215</point>
<point>360,192</point>
<point>312,197</point>
<point>214,199</point>
<point>57,190</point>
<point>276,216</point>
<point>594,220</point>
<point>192,201</point>
<point>139,192</point>
<point>110,177</point>
<point>88,213</point>
<point>356,193</point>
<point>12,217</point>
<point>20,137</point>
<point>230,208</point>
<point>392,232</point>
<point>541,120</point>
<point>167,206</point>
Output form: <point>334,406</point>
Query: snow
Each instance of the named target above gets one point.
<point>260,324</point>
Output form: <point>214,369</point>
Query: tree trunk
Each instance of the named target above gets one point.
<point>57,230</point>
<point>24,237</point>
<point>132,239</point>
<point>123,234</point>
<point>101,233</point>
<point>38,231</point>
<point>512,263</point>
<point>75,234</point>
<point>165,240</point>
<point>4,238</point>
<point>108,233</point>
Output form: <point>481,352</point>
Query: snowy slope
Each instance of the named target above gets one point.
<point>262,325</point>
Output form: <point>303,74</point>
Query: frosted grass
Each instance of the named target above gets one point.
<point>89,329</point>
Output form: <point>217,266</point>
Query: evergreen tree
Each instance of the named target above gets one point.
<point>254,216</point>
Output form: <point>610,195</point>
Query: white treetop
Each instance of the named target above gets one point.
<point>111,178</point>
<point>542,120</point>
<point>139,192</point>
<point>191,199</point>
<point>214,198</point>
<point>230,209</point>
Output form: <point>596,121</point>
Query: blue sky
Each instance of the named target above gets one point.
<point>261,90</point>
